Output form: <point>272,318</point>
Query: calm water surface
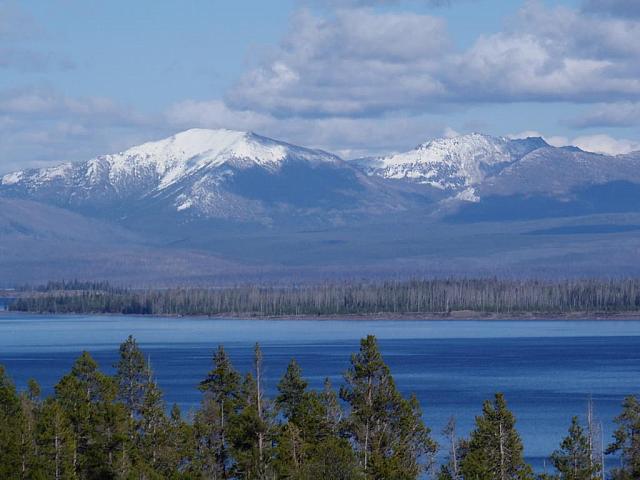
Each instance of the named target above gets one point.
<point>547,369</point>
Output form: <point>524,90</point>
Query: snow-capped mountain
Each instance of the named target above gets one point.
<point>205,203</point>
<point>240,176</point>
<point>452,164</point>
<point>206,173</point>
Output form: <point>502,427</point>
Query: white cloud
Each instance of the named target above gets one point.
<point>363,62</point>
<point>620,114</point>
<point>606,144</point>
<point>348,137</point>
<point>38,127</point>
<point>599,143</point>
<point>351,64</point>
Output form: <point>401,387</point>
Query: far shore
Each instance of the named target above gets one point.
<point>462,315</point>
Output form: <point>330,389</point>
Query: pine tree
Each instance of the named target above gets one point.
<point>310,431</point>
<point>222,398</point>
<point>292,389</point>
<point>252,428</point>
<point>154,428</point>
<point>391,438</point>
<point>627,440</point>
<point>574,458</point>
<point>55,441</point>
<point>333,410</point>
<point>494,450</point>
<point>180,446</point>
<point>451,469</point>
<point>87,397</point>
<point>10,429</point>
<point>332,458</point>
<point>131,376</point>
<point>29,411</point>
<point>209,459</point>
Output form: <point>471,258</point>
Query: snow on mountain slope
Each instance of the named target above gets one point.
<point>206,174</point>
<point>172,159</point>
<point>182,154</point>
<point>453,164</point>
<point>231,175</point>
<point>189,167</point>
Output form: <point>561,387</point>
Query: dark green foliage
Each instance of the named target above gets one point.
<point>291,390</point>
<point>253,429</point>
<point>55,443</point>
<point>627,440</point>
<point>131,376</point>
<point>221,405</point>
<point>390,438</point>
<point>10,431</point>
<point>495,451</point>
<point>331,458</point>
<point>98,423</point>
<point>308,444</point>
<point>489,296</point>
<point>574,459</point>
<point>29,411</point>
<point>97,426</point>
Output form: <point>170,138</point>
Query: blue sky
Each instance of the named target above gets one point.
<point>357,77</point>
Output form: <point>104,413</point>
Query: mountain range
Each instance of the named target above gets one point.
<point>206,205</point>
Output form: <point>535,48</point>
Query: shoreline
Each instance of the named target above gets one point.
<point>451,316</point>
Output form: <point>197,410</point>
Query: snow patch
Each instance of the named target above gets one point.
<point>12,178</point>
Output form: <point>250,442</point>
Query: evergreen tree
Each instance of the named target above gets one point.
<point>627,440</point>
<point>222,401</point>
<point>252,428</point>
<point>308,425</point>
<point>154,429</point>
<point>29,411</point>
<point>131,376</point>
<point>209,459</point>
<point>180,445</point>
<point>494,450</point>
<point>333,411</point>
<point>10,429</point>
<point>390,436</point>
<point>87,397</point>
<point>332,458</point>
<point>574,459</point>
<point>56,445</point>
<point>291,391</point>
<point>451,469</point>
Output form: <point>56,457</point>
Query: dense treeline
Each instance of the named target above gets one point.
<point>393,297</point>
<point>70,285</point>
<point>96,426</point>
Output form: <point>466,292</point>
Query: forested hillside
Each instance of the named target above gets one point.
<point>485,296</point>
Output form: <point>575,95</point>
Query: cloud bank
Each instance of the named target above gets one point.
<point>358,80</point>
<point>363,63</point>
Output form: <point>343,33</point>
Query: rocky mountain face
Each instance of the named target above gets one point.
<point>237,202</point>
<point>239,176</point>
<point>215,174</point>
<point>452,164</point>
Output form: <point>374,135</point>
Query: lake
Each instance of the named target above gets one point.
<point>547,369</point>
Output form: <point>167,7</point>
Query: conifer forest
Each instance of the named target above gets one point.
<point>435,296</point>
<point>99,426</point>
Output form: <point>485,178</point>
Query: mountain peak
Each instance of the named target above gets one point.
<point>452,163</point>
<point>195,169</point>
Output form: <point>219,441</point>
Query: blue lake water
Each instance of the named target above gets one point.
<point>547,369</point>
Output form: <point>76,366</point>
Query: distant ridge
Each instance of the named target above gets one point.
<point>205,203</point>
